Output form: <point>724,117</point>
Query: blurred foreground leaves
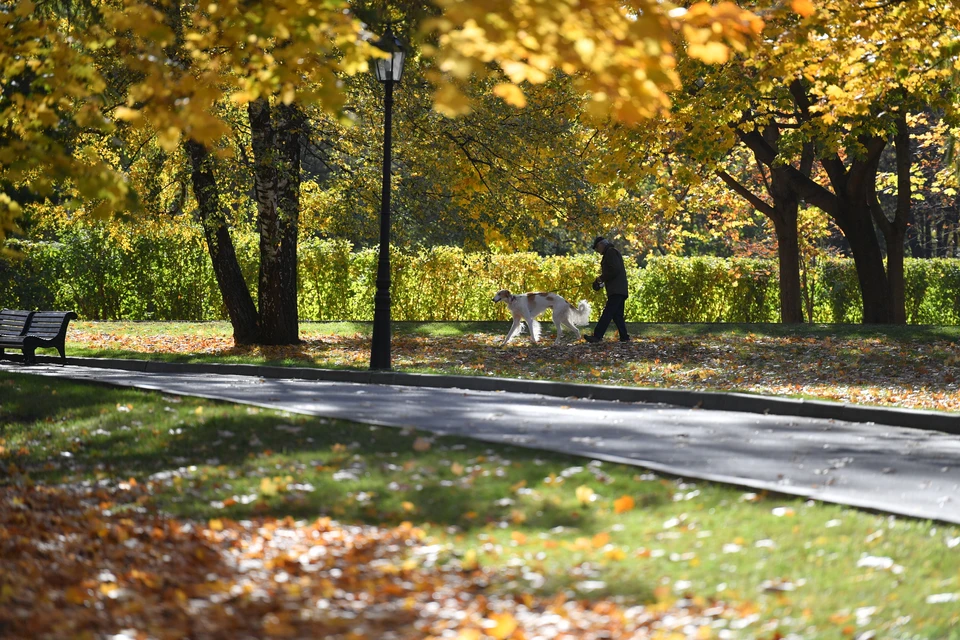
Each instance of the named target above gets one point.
<point>96,561</point>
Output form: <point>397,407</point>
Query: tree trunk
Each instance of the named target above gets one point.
<point>786,206</point>
<point>859,231</point>
<point>788,254</point>
<point>277,294</point>
<point>233,288</point>
<point>895,279</point>
<point>290,123</point>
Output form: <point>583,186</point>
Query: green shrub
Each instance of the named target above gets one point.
<point>143,276</point>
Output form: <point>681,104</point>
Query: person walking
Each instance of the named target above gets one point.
<point>613,276</point>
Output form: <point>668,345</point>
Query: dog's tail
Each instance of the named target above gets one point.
<point>580,315</point>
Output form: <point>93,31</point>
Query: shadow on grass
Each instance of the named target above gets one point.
<point>63,431</point>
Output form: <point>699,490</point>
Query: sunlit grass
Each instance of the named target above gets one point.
<point>548,522</point>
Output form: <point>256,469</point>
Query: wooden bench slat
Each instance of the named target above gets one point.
<point>13,322</point>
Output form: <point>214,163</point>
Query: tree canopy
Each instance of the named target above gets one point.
<point>166,66</point>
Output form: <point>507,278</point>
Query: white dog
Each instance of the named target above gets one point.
<point>527,306</point>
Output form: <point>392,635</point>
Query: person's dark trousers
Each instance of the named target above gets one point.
<point>613,310</point>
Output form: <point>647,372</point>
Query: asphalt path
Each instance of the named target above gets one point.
<point>897,470</point>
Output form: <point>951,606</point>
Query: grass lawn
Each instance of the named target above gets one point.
<point>916,367</point>
<point>124,511</point>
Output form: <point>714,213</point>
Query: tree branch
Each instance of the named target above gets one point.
<point>746,194</point>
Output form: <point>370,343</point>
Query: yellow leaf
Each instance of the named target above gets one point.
<point>469,562</point>
<point>803,7</point>
<point>408,506</point>
<point>216,524</point>
<point>511,94</point>
<point>710,52</point>
<point>585,47</point>
<point>615,554</point>
<point>24,8</point>
<point>584,494</point>
<point>518,537</point>
<point>242,97</point>
<point>268,487</point>
<point>450,101</point>
<point>623,503</point>
<point>456,468</point>
<point>469,634</point>
<point>168,139</point>
<point>127,114</point>
<point>833,91</point>
<point>421,445</point>
<point>505,625</point>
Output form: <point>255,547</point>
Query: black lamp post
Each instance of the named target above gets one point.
<point>388,71</point>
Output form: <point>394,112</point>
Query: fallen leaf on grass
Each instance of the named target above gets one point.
<point>585,495</point>
<point>623,504</point>
<point>267,577</point>
<point>504,624</point>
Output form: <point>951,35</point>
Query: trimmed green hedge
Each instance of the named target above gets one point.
<point>157,278</point>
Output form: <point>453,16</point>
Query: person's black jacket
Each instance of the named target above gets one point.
<point>613,273</point>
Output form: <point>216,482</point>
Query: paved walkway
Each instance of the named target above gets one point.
<point>893,469</point>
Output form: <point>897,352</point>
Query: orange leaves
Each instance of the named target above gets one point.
<point>623,504</point>
<point>804,8</point>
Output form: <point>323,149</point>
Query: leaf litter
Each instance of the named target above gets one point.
<point>881,371</point>
<point>94,560</point>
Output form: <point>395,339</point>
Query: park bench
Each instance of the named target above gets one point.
<point>32,330</point>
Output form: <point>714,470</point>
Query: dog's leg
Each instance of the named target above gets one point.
<point>514,328</point>
<point>559,319</point>
<point>534,328</point>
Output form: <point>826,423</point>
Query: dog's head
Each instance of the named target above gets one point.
<point>503,295</point>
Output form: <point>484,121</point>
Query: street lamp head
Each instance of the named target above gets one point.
<point>389,69</point>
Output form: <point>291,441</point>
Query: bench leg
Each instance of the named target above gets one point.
<point>28,356</point>
<point>63,354</point>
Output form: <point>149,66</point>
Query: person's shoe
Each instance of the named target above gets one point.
<point>591,339</point>
<point>627,339</point>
